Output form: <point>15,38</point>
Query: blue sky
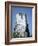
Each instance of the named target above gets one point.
<point>27,11</point>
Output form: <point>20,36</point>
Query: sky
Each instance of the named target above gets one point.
<point>27,11</point>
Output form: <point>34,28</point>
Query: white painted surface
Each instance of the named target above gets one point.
<point>21,22</point>
<point>2,24</point>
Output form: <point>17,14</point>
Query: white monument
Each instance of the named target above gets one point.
<point>21,24</point>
